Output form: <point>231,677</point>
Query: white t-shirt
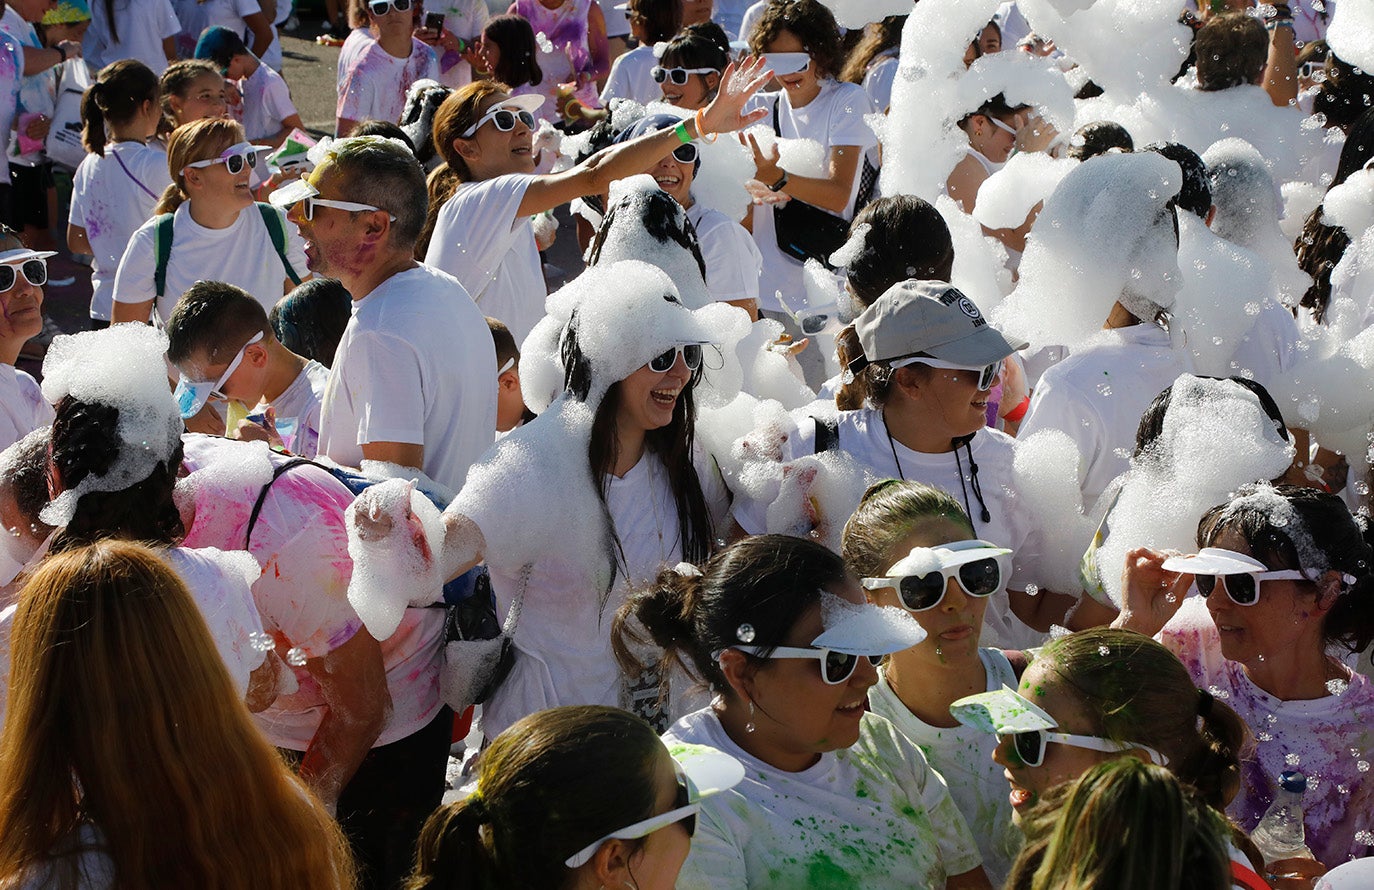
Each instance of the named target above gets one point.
<point>241,254</point>
<point>110,201</point>
<point>963,756</point>
<point>414,366</point>
<point>374,84</point>
<point>733,261</point>
<point>266,103</point>
<point>299,407</point>
<point>1097,395</point>
<point>729,14</point>
<point>465,20</point>
<point>37,92</point>
<point>220,583</point>
<point>874,815</point>
<point>1270,347</point>
<point>629,77</point>
<point>142,26</point>
<point>22,406</point>
<point>863,436</point>
<point>750,19</point>
<point>617,23</point>
<point>563,637</point>
<point>301,543</point>
<point>879,77</point>
<point>834,118</point>
<point>480,240</point>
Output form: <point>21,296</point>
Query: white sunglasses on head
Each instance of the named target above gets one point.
<point>986,373</point>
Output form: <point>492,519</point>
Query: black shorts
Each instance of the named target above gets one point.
<point>29,197</point>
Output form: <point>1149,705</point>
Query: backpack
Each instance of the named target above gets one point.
<point>162,245</point>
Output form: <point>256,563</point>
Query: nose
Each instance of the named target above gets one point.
<point>679,369</point>
<point>295,214</point>
<point>955,598</point>
<point>865,675</point>
<point>1001,755</point>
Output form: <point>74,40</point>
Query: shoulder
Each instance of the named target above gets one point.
<point>228,568</point>
<point>881,743</point>
<point>994,444</point>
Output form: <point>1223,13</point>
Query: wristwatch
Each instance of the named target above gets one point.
<point>780,184</point>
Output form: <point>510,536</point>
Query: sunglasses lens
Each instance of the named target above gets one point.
<point>1030,747</point>
<point>7,277</point>
<point>919,594</point>
<point>1242,589</point>
<point>981,578</point>
<point>663,361</point>
<point>691,355</point>
<point>987,376</point>
<point>526,118</point>
<point>504,120</point>
<point>814,324</point>
<point>36,271</point>
<point>678,75</point>
<point>658,74</point>
<point>1205,584</point>
<point>401,5</point>
<point>685,154</point>
<point>838,667</point>
<point>234,164</point>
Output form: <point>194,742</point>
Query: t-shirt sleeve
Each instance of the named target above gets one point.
<point>277,98</point>
<point>473,234</point>
<point>80,183</point>
<point>134,280</point>
<point>733,263</point>
<point>171,25</point>
<point>387,382</point>
<point>618,83</point>
<point>715,862</point>
<point>1057,406</point>
<point>847,124</point>
<point>246,8</point>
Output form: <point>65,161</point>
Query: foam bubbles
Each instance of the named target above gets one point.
<point>1351,34</point>
<point>401,570</point>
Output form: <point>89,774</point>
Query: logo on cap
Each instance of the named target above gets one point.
<point>969,309</point>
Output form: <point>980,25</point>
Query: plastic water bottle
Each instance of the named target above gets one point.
<point>1280,833</point>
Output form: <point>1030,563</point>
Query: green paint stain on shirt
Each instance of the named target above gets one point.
<point>822,873</point>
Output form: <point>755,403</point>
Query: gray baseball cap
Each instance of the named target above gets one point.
<point>931,318</point>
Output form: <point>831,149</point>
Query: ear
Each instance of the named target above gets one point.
<point>509,380</point>
<point>611,863</point>
<point>1328,590</point>
<point>739,673</point>
<point>256,354</point>
<point>712,81</point>
<point>378,226</point>
<point>191,176</point>
<point>908,381</point>
<point>467,149</point>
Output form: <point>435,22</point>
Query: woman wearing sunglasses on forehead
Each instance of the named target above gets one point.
<point>548,779</point>
<point>482,196</point>
<point>832,795</point>
<point>217,231</point>
<point>913,548</point>
<point>23,273</point>
<point>1285,573</point>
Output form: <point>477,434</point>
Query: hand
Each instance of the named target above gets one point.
<point>252,431</point>
<point>1298,873</point>
<point>428,37</point>
<point>1152,595</point>
<point>767,168</point>
<point>762,194</point>
<point>38,127</point>
<point>1035,135</point>
<point>737,85</point>
<point>232,95</point>
<point>70,48</point>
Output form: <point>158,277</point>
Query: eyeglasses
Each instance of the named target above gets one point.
<point>35,272</point>
<point>1001,126</point>
<point>380,8</point>
<point>509,363</point>
<point>686,153</point>
<point>191,395</point>
<point>836,667</point>
<point>664,361</point>
<point>234,158</point>
<point>302,192</point>
<point>919,593</point>
<point>1029,746</point>
<point>678,75</point>
<point>1243,587</point>
<point>986,373</point>
<point>685,809</point>
<point>503,118</point>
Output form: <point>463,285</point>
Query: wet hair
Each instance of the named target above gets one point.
<point>1099,137</point>
<point>85,441</point>
<point>1345,95</point>
<point>703,45</point>
<point>995,107</point>
<point>1132,689</point>
<point>310,320</point>
<point>662,18</point>
<point>385,129</point>
<point>767,582</point>
<point>463,108</point>
<point>1152,421</point>
<point>196,141</point>
<point>878,37</point>
<point>886,516</point>
<point>811,22</point>
<point>1127,825</point>
<point>1231,51</point>
<point>1195,195</point>
<point>116,97</point>
<point>549,775</point>
<point>382,174</point>
<point>177,81</point>
<point>1327,537</point>
<point>1321,246</point>
<point>519,62</point>
<point>215,319</point>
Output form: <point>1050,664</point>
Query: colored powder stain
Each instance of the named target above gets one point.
<point>1040,690</point>
<point>861,790</point>
<point>822,873</point>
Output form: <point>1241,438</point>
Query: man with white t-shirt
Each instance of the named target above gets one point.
<point>411,382</point>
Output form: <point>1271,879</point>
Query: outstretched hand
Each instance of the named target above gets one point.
<point>738,85</point>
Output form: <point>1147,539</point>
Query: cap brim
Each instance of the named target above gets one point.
<point>525,102</point>
<point>1001,712</point>
<point>982,347</point>
<point>871,630</point>
<point>708,770</point>
<point>294,191</point>
<point>919,561</point>
<point>19,254</point>
<point>1214,561</point>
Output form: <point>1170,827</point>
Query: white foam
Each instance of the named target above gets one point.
<point>1219,279</point>
<point>123,367</point>
<point>1350,205</point>
<point>401,570</point>
<point>1047,471</point>
<point>625,236</point>
<point>1007,197</point>
<point>1351,33</point>
<point>854,14</point>
<point>980,261</point>
<point>1123,45</point>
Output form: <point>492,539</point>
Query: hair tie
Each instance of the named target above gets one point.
<point>1204,703</point>
<point>687,570</point>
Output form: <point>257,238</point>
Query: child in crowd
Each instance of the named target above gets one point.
<point>192,89</point>
<point>209,321</point>
<point>379,67</point>
<point>510,401</point>
<point>311,319</point>
<point>269,115</point>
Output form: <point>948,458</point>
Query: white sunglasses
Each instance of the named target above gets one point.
<point>687,805</point>
<point>1030,745</point>
<point>504,118</point>
<point>302,192</point>
<point>986,373</point>
<point>191,395</point>
<point>235,158</point>
<point>836,667</point>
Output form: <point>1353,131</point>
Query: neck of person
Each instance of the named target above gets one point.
<point>907,427</point>
<point>10,347</point>
<point>928,679</point>
<point>630,445</point>
<point>1296,673</point>
<point>133,130</point>
<point>804,97</point>
<point>734,718</point>
<point>1120,317</point>
<point>365,281</point>
<point>212,214</point>
<point>283,367</point>
<point>396,42</point>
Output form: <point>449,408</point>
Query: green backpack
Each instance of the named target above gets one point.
<point>162,245</point>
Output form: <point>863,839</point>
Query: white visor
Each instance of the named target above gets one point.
<point>20,254</point>
<point>783,64</point>
<point>865,629</point>
<point>1215,561</point>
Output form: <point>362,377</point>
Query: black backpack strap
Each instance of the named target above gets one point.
<point>262,495</point>
<point>777,123</point>
<point>827,434</point>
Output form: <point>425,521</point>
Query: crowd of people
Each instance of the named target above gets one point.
<point>949,467</point>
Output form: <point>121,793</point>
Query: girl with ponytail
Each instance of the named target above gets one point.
<point>592,785</point>
<point>118,183</point>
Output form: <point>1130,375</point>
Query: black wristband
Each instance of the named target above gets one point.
<point>780,184</point>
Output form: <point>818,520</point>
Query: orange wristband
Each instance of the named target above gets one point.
<point>701,127</point>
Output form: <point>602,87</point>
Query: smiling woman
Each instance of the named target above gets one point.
<point>23,273</point>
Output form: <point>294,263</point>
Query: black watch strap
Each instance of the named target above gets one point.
<point>780,184</point>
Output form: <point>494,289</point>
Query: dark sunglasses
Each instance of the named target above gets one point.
<point>1243,587</point>
<point>1029,746</point>
<point>677,76</point>
<point>686,154</point>
<point>35,272</point>
<point>691,355</point>
<point>980,578</point>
